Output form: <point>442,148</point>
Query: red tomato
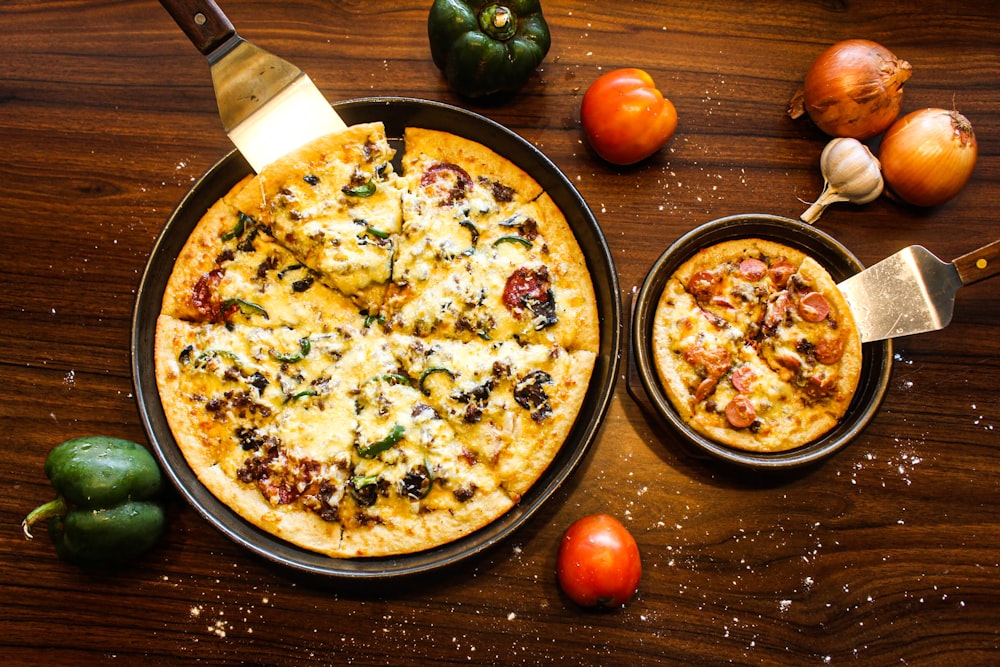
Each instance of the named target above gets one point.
<point>598,563</point>
<point>625,118</point>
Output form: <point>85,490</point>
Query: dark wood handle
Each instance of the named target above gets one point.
<point>979,264</point>
<point>202,21</point>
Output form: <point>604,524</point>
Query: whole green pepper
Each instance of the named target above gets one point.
<point>106,509</point>
<point>490,47</point>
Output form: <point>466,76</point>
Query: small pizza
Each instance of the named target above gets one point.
<point>371,364</point>
<point>755,346</point>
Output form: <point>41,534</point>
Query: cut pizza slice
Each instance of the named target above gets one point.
<point>231,272</point>
<point>810,338</point>
<point>412,479</point>
<point>335,204</point>
<point>511,405</point>
<point>733,280</point>
<point>484,252</point>
<point>251,407</point>
<point>444,171</point>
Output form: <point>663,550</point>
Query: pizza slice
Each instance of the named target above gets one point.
<point>229,271</point>
<point>733,280</point>
<point>252,409</point>
<point>477,260</point>
<point>336,205</point>
<point>810,339</point>
<point>512,405</point>
<point>413,481</point>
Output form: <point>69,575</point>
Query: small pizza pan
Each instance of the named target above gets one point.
<point>397,114</point>
<point>644,384</point>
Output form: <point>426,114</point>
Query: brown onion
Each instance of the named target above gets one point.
<point>928,155</point>
<point>853,89</point>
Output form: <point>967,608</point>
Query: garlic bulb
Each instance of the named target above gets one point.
<point>850,173</point>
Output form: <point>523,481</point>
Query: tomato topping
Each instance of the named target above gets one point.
<point>740,412</point>
<point>625,118</point>
<point>752,268</point>
<point>813,307</point>
<point>598,563</point>
<point>203,295</point>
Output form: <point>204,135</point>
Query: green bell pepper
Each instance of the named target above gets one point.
<point>106,509</point>
<point>490,47</point>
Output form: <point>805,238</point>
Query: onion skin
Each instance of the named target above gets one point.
<point>853,89</point>
<point>928,156</point>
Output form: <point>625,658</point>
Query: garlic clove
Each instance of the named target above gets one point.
<point>851,173</point>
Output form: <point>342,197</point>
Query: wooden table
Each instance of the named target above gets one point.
<point>886,553</point>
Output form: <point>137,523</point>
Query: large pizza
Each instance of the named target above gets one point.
<point>755,346</point>
<point>368,363</point>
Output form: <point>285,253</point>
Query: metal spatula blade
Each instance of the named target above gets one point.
<point>268,106</point>
<point>913,291</point>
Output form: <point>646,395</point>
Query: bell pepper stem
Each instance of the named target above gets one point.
<point>44,512</point>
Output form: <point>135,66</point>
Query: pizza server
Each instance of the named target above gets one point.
<point>268,106</point>
<point>912,291</point>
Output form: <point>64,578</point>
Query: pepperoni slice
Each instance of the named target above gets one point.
<point>743,378</point>
<point>781,271</point>
<point>714,360</point>
<point>753,269</point>
<point>455,181</point>
<point>705,389</point>
<point>813,307</point>
<point>776,309</point>
<point>829,350</point>
<point>740,412</point>
<point>789,361</point>
<point>704,285</point>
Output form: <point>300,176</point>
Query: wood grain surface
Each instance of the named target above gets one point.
<point>886,553</point>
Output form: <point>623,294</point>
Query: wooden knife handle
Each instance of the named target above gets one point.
<point>202,21</point>
<point>979,264</point>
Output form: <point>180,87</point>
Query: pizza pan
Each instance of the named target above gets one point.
<point>837,259</point>
<point>397,114</point>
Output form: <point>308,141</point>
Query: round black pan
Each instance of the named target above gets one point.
<point>396,114</point>
<point>837,259</point>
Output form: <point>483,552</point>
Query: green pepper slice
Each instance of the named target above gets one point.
<point>237,229</point>
<point>302,394</point>
<point>393,378</point>
<point>202,359</point>
<point>364,190</point>
<point>517,240</point>
<point>248,308</point>
<point>431,371</point>
<point>474,231</point>
<point>376,448</point>
<point>304,348</point>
